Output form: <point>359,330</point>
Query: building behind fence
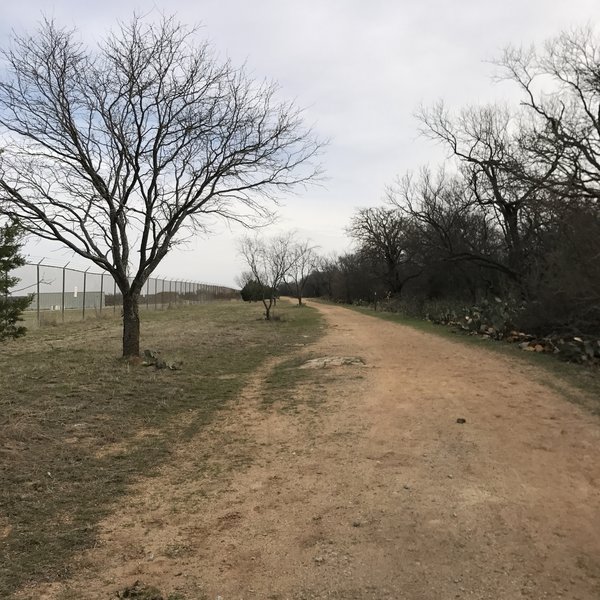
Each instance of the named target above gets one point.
<point>63,290</point>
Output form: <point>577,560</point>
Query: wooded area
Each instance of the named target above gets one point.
<point>508,226</point>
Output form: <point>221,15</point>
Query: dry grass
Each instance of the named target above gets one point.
<point>78,424</point>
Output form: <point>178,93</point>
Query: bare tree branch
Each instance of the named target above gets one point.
<point>120,151</point>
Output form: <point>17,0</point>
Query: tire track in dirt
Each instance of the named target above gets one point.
<point>377,493</point>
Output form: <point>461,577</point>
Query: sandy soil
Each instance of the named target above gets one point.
<point>377,493</point>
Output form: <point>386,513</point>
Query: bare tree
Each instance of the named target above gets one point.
<point>386,236</point>
<point>498,169</point>
<point>449,225</point>
<point>269,261</point>
<point>304,260</point>
<point>561,89</point>
<point>119,152</point>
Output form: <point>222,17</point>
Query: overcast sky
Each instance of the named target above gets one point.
<point>360,68</point>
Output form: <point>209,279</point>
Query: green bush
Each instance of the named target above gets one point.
<point>10,259</point>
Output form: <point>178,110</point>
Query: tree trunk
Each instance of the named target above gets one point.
<point>267,306</point>
<point>131,325</point>
<point>515,254</point>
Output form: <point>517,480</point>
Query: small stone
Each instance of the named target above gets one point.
<point>319,559</point>
<point>356,524</point>
<point>406,486</point>
<point>461,420</point>
<point>450,476</point>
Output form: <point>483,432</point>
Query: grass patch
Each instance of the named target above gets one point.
<point>292,389</point>
<point>284,380</point>
<point>585,380</point>
<point>78,425</point>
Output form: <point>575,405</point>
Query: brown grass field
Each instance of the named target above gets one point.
<point>78,425</point>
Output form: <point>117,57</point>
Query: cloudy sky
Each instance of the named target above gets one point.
<point>359,68</point>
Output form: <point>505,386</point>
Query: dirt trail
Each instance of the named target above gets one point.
<point>379,493</point>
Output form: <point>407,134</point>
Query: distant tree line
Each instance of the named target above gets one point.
<point>511,218</point>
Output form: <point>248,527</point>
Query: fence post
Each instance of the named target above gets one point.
<point>101,290</point>
<point>38,291</point>
<point>114,296</point>
<point>64,284</point>
<point>162,296</point>
<point>6,286</point>
<point>84,290</point>
<point>155,294</point>
<point>147,294</point>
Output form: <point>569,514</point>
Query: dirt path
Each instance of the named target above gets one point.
<point>378,493</point>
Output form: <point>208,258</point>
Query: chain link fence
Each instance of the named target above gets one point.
<point>63,293</point>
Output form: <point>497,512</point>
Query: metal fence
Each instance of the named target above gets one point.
<point>63,292</point>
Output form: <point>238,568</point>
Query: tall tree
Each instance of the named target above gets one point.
<point>448,222</point>
<point>560,85</point>
<point>561,88</point>
<point>498,168</point>
<point>452,235</point>
<point>10,259</point>
<point>117,152</point>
